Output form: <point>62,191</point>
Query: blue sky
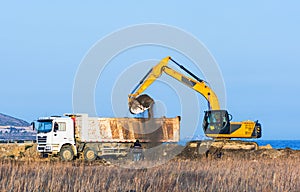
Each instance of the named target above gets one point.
<point>256,44</point>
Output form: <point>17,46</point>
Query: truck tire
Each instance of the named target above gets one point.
<point>66,153</point>
<point>89,154</point>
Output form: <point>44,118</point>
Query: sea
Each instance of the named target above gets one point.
<point>280,144</point>
<point>276,144</point>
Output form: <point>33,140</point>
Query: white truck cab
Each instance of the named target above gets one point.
<point>53,133</point>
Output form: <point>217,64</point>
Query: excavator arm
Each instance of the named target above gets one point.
<point>139,103</point>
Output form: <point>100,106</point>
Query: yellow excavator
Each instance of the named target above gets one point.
<point>216,123</point>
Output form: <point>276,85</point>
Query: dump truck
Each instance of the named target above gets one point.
<point>74,136</point>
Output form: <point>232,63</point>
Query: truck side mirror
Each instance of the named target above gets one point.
<point>33,125</point>
<point>55,127</point>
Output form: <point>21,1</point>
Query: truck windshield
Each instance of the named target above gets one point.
<point>44,126</point>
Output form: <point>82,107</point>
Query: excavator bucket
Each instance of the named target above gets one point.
<point>140,104</point>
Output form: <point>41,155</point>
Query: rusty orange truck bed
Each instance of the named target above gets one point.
<point>97,129</point>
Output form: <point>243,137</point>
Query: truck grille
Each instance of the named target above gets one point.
<point>42,139</point>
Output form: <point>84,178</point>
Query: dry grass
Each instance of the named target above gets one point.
<point>179,175</point>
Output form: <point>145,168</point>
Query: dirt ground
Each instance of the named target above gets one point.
<point>28,152</point>
<point>216,153</point>
<point>215,169</point>
<point>19,151</point>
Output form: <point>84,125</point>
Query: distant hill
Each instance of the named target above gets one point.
<point>6,120</point>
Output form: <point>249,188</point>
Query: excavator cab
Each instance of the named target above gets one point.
<point>216,122</point>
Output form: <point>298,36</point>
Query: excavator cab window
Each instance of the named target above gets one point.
<point>216,122</point>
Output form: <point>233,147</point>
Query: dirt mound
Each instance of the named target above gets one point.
<point>213,152</point>
<point>19,151</point>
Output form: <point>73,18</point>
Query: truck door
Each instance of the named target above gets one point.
<point>63,133</point>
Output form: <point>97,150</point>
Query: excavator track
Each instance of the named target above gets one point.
<point>200,147</point>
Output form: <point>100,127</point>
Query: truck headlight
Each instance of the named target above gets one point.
<point>48,148</point>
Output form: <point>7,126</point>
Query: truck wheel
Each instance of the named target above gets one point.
<point>89,154</point>
<point>66,153</point>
